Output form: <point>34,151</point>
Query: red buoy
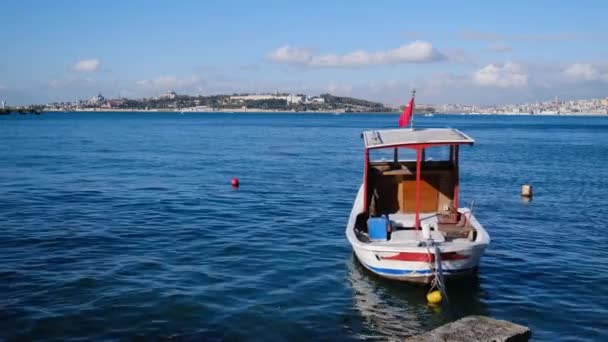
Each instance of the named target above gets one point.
<point>235,182</point>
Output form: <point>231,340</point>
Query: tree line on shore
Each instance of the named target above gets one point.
<point>329,103</point>
<point>22,110</point>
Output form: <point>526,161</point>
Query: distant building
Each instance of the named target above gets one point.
<point>295,99</point>
<point>116,103</point>
<point>315,99</point>
<point>170,95</point>
<point>256,97</point>
<point>3,104</point>
<point>96,100</point>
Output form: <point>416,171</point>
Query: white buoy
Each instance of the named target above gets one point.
<point>526,190</point>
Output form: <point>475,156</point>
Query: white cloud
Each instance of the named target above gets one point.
<point>161,82</point>
<point>488,36</point>
<point>288,54</point>
<point>532,37</point>
<point>339,89</point>
<point>56,83</point>
<point>71,82</point>
<point>165,83</point>
<point>585,72</point>
<point>507,75</point>
<point>499,47</point>
<point>415,52</point>
<point>486,83</point>
<point>412,34</point>
<point>460,56</point>
<point>86,65</point>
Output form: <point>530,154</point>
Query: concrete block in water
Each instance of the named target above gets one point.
<point>476,328</point>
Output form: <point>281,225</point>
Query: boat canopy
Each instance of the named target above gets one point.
<point>420,136</point>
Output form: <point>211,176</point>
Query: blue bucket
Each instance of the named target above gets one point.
<point>377,228</point>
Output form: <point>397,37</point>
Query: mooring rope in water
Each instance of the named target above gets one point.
<point>438,280</point>
<point>439,273</point>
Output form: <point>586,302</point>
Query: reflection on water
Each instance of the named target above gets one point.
<point>393,309</point>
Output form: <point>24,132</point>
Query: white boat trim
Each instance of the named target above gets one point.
<point>399,137</point>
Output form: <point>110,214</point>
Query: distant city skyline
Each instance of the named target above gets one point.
<point>475,52</point>
<point>170,94</point>
<point>306,102</point>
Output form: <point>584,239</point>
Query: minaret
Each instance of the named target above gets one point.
<point>413,107</point>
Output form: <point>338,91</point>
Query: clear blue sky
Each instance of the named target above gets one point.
<point>468,52</point>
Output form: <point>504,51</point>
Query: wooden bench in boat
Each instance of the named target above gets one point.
<point>442,223</point>
<point>454,229</point>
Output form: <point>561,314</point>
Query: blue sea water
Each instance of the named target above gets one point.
<point>123,225</point>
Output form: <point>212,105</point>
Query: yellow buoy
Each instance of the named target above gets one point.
<point>434,297</point>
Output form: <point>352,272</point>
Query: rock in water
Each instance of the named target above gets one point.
<point>476,328</point>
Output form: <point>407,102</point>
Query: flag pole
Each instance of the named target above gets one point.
<point>413,107</point>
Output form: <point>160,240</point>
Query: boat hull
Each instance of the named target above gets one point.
<point>388,264</point>
<point>413,263</point>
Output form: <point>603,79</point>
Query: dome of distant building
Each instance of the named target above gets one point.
<point>169,95</point>
<point>97,99</point>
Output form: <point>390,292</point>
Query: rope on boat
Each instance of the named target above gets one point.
<point>470,213</point>
<point>438,279</point>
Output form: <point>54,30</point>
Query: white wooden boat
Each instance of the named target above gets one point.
<point>406,223</point>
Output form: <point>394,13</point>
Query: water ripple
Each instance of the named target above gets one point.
<point>128,228</point>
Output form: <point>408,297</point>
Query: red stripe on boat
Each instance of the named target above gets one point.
<point>405,256</point>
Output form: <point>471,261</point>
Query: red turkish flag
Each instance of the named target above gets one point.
<point>405,117</point>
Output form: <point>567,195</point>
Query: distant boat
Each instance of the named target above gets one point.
<point>429,114</point>
<point>406,223</point>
